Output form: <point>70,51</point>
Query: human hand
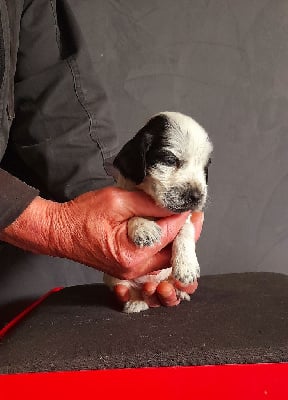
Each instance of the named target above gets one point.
<point>163,293</point>
<point>92,229</point>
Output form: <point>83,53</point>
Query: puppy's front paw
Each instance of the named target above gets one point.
<point>144,232</point>
<point>184,270</point>
<point>135,306</point>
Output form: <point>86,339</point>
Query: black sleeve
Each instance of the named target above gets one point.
<point>15,195</point>
<point>62,135</point>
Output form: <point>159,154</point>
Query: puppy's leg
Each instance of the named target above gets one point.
<point>185,266</point>
<point>136,302</point>
<point>143,232</point>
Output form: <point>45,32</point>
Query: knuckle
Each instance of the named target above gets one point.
<point>109,193</point>
<point>128,276</point>
<point>114,197</point>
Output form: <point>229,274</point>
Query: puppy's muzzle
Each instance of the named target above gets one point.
<point>183,199</point>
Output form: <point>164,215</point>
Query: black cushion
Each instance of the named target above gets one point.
<point>235,318</point>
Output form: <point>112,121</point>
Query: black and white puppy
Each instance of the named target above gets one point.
<point>168,159</point>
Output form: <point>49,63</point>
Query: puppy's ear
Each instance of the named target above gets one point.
<point>131,160</point>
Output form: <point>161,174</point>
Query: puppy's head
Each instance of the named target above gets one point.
<point>168,159</point>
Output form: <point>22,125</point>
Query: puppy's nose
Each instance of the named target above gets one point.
<point>194,196</point>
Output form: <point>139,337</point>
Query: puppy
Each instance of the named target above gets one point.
<point>168,159</point>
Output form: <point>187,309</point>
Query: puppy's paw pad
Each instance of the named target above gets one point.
<point>135,306</point>
<point>147,235</point>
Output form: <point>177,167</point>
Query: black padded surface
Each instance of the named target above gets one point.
<point>236,318</point>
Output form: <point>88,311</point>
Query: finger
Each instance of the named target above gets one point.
<point>158,261</point>
<point>149,294</point>
<point>190,289</point>
<point>122,293</point>
<point>167,295</point>
<point>197,219</point>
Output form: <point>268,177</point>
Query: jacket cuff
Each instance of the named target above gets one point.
<point>15,196</point>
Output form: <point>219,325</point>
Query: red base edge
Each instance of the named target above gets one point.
<point>26,311</point>
<point>233,382</point>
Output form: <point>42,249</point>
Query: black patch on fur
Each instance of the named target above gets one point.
<point>131,160</point>
<point>136,156</point>
<point>163,156</point>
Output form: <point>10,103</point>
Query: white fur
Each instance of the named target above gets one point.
<point>184,261</point>
<point>189,142</point>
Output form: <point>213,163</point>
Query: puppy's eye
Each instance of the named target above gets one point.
<point>168,158</point>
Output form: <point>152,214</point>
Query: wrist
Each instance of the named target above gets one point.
<point>32,229</point>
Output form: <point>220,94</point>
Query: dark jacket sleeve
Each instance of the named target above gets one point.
<point>15,195</point>
<point>62,135</point>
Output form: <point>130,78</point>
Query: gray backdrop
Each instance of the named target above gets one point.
<point>225,63</point>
